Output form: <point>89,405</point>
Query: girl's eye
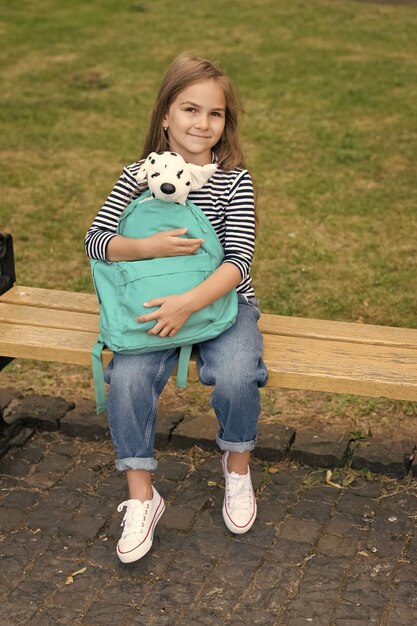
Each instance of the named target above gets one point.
<point>190,109</point>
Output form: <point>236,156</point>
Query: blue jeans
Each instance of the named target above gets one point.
<point>232,363</point>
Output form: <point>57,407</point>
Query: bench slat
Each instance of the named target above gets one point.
<point>351,332</point>
<point>342,367</point>
<point>51,299</point>
<point>60,345</point>
<point>48,318</point>
<point>293,362</point>
<point>367,334</point>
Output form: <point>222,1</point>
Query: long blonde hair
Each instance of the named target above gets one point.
<point>183,72</point>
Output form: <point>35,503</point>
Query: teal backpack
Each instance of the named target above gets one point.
<point>123,286</point>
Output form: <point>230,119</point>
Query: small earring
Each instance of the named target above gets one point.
<point>165,128</point>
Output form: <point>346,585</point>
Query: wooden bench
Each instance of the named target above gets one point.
<point>309,354</point>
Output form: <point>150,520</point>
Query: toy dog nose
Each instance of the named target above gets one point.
<point>167,188</point>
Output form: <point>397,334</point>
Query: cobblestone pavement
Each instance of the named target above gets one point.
<point>318,554</point>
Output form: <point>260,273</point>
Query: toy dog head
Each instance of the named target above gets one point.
<point>171,178</point>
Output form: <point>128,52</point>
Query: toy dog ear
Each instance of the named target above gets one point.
<point>200,174</point>
<point>142,174</point>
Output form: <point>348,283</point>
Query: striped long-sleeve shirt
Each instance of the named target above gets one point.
<point>227,199</point>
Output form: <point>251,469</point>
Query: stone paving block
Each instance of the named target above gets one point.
<point>367,488</point>
<point>383,544</point>
<point>178,518</point>
<point>10,519</point>
<point>273,441</point>
<point>347,526</point>
<point>304,610</point>
<point>97,460</point>
<point>319,511</point>
<point>83,421</point>
<point>32,452</point>
<point>261,536</point>
<point>352,504</point>
<point>383,457</point>
<point>44,412</point>
<point>230,574</point>
<point>399,499</point>
<point>16,614</point>
<point>324,493</point>
<point>9,465</point>
<point>166,595</point>
<point>102,612</point>
<point>271,511</point>
<point>21,437</point>
<point>184,568</point>
<point>22,547</point>
<point>172,468</point>
<point>166,423</point>
<point>7,394</point>
<point>393,522</point>
<point>68,546</point>
<point>286,552</point>
<point>252,617</point>
<point>218,597</point>
<point>401,616</point>
<point>376,568</point>
<point>318,449</point>
<point>331,545</point>
<point>82,592</point>
<point>112,487</point>
<point>358,611</point>
<point>194,493</point>
<point>32,591</point>
<point>299,530</point>
<point>200,431</point>
<point>51,616</point>
<point>323,572</point>
<point>82,478</point>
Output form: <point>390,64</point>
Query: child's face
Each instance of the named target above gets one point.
<point>196,121</point>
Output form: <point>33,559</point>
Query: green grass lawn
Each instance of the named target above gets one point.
<point>330,92</point>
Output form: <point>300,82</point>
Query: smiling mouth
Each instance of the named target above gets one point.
<point>199,136</point>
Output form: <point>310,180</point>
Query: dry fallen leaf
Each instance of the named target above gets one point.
<point>70,578</point>
<point>329,481</point>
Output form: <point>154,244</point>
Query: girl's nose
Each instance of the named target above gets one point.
<point>202,121</point>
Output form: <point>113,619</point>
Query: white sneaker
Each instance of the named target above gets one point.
<point>239,505</point>
<point>138,524</point>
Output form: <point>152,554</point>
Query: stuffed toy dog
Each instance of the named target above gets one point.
<point>170,178</point>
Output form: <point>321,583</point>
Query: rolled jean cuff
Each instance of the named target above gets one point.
<point>235,446</point>
<point>136,463</point>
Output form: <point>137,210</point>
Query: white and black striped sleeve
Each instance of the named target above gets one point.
<point>105,223</point>
<point>240,224</point>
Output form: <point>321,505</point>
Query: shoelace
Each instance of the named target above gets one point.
<point>239,489</point>
<point>134,519</point>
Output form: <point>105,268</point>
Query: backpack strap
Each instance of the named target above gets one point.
<point>183,363</point>
<point>98,376</point>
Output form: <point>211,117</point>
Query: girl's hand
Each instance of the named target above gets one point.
<point>172,314</point>
<point>169,243</point>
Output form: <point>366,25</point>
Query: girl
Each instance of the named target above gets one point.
<point>196,115</point>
